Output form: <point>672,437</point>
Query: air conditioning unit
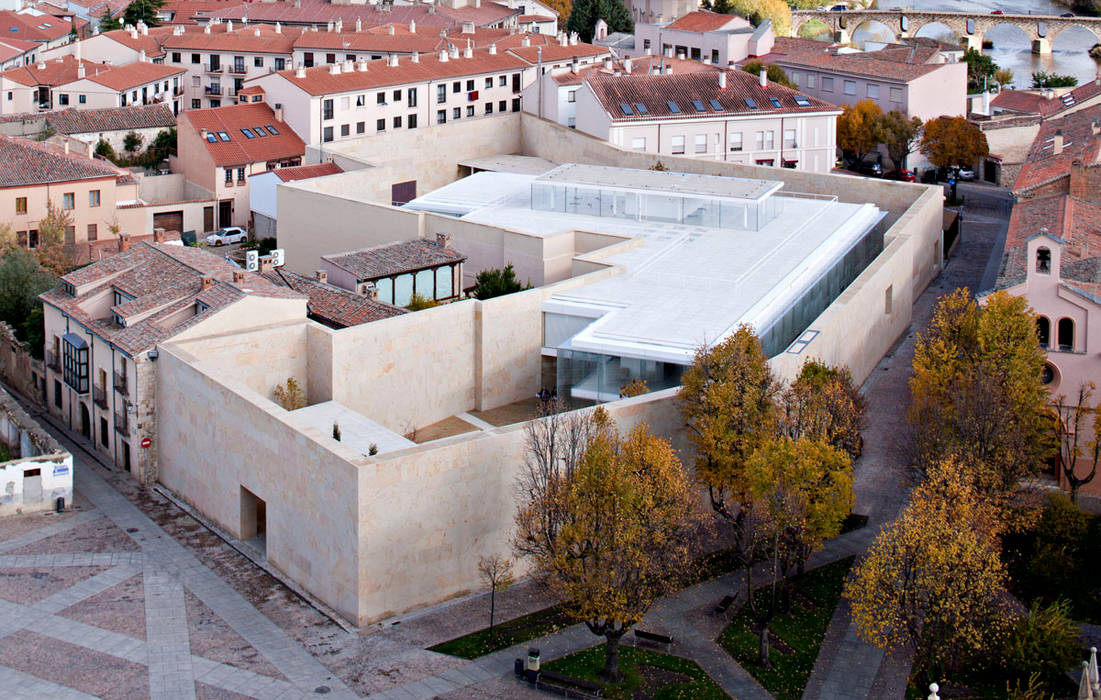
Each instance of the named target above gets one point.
<point>277,257</point>
<point>252,260</point>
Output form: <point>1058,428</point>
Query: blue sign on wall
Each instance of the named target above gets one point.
<point>61,469</point>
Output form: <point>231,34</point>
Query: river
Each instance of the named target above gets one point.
<point>1012,48</point>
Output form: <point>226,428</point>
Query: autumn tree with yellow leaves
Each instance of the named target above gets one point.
<point>823,403</point>
<point>609,534</point>
<point>858,128</point>
<point>932,582</point>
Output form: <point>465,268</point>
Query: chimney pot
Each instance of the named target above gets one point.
<point>266,263</point>
<point>607,64</point>
<point>206,282</point>
<point>722,80</point>
<point>238,276</point>
<point>764,76</point>
<point>391,29</point>
<point>493,49</point>
<point>443,240</point>
<point>158,235</point>
<point>627,66</point>
<point>124,242</point>
<point>323,276</point>
<point>371,292</point>
<point>412,27</point>
<point>278,28</point>
<point>1057,142</point>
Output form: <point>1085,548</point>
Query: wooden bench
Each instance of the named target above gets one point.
<point>725,604</point>
<point>567,686</point>
<point>653,638</point>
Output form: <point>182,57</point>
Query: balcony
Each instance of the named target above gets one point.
<point>236,70</point>
<point>122,424</point>
<point>120,384</point>
<point>213,90</point>
<point>211,68</point>
<point>176,92</point>
<point>53,361</point>
<point>99,396</point>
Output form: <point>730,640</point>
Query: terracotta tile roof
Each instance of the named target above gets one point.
<point>185,12</point>
<point>305,172</point>
<point>639,65</point>
<point>58,71</point>
<point>1029,102</point>
<point>24,162</point>
<point>528,19</point>
<point>11,48</point>
<point>321,12</point>
<point>85,121</point>
<point>165,282</point>
<point>806,53</point>
<point>320,81</point>
<point>134,75</point>
<point>240,149</point>
<point>1043,165</point>
<point>1076,222</point>
<point>394,258</point>
<point>41,28</point>
<point>553,52</point>
<point>140,42</point>
<point>655,92</point>
<point>704,21</point>
<point>401,41</point>
<point>907,54</point>
<point>243,38</point>
<point>334,306</point>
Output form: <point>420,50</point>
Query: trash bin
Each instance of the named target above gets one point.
<point>60,504</point>
<point>533,665</point>
<point>518,668</point>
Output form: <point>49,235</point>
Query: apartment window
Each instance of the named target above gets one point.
<point>258,61</point>
<point>441,116</point>
<point>122,100</point>
<point>515,104</point>
<point>470,110</point>
<point>489,108</point>
<point>229,176</point>
<point>307,59</point>
<point>327,109</point>
<point>489,83</point>
<point>68,200</point>
<point>502,106</point>
<point>57,393</point>
<point>196,58</point>
<point>32,238</point>
<point>827,84</point>
<point>571,96</point>
<point>678,145</point>
<point>701,143</point>
<point>20,205</point>
<point>345,130</point>
<point>850,87</point>
<point>70,234</point>
<point>456,86</point>
<point>715,56</point>
<point>441,93</point>
<point>93,232</point>
<point>196,104</point>
<point>873,91</point>
<point>241,175</point>
<point>638,144</point>
<point>411,122</point>
<point>196,80</point>
<point>896,94</point>
<point>796,78</point>
<point>397,95</point>
<point>330,58</point>
<point>345,102</point>
<point>411,96</point>
<point>74,362</point>
<point>93,198</point>
<point>380,98</point>
<point>456,112</point>
<point>327,134</point>
<point>380,125</point>
<point>470,86</point>
<point>63,99</point>
<point>397,122</point>
<point>645,44</point>
<point>280,64</point>
<point>361,101</point>
<point>810,80</point>
<point>361,127</point>
<point>502,81</point>
<point>349,57</point>
<point>1065,329</point>
<point>789,138</point>
<point>175,56</point>
<point>736,141</point>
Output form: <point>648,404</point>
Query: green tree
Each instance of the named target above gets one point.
<point>899,134</point>
<point>55,244</point>
<point>494,283</point>
<point>949,141</point>
<point>976,393</point>
<point>108,23</point>
<point>933,580</point>
<point>22,279</point>
<point>756,11</point>
<point>824,404</point>
<point>419,302</point>
<point>1042,79</point>
<point>980,68</point>
<point>799,494</point>
<point>1003,77</point>
<point>624,513</point>
<point>858,128</point>
<point>727,402</point>
<point>131,142</point>
<point>585,13</point>
<point>774,73</point>
<point>105,150</point>
<point>1044,641</point>
<point>143,11</point>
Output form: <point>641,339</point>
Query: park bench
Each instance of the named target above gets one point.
<point>567,686</point>
<point>725,604</point>
<point>653,637</point>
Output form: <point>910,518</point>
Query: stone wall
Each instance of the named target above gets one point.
<point>18,369</point>
<point>38,470</point>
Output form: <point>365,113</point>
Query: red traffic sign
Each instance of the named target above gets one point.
<point>146,442</point>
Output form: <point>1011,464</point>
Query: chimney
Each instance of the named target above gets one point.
<point>206,29</point>
<point>266,264</point>
<point>668,70</point>
<point>468,52</point>
<point>390,28</point>
<point>1095,127</point>
<point>764,76</point>
<point>229,26</point>
<point>722,80</point>
<point>574,38</point>
<point>339,26</point>
<point>66,146</point>
<point>238,276</point>
<point>256,32</point>
<point>525,42</point>
<point>144,29</point>
<point>1078,186</point>
<point>141,56</point>
<point>133,33</point>
<point>627,66</point>
<point>334,69</point>
<point>1048,93</point>
<point>393,62</point>
<point>322,276</point>
<point>349,65</point>
<point>493,49</point>
<point>300,72</point>
<point>205,282</point>
<point>415,58</point>
<point>412,27</point>
<point>453,51</point>
<point>41,65</point>
<point>177,31</point>
<point>202,134</point>
<point>1057,142</point>
<point>443,240</point>
<point>329,26</point>
<point>607,64</point>
<point>443,55</point>
<point>363,63</point>
<point>79,69</point>
<point>76,50</point>
<point>124,242</point>
<point>574,67</point>
<point>278,28</point>
<point>279,112</point>
<point>158,235</point>
<point>371,292</point>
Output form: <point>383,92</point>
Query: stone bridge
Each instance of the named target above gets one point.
<point>969,26</point>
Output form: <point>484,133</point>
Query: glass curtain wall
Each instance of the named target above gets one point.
<point>590,376</point>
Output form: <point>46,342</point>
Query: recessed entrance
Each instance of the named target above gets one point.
<point>253,520</point>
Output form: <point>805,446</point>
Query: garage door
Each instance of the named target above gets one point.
<point>169,220</point>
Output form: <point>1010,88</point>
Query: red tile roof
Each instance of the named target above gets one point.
<point>1037,103</point>
<point>58,71</point>
<point>24,163</point>
<point>241,149</point>
<point>85,121</point>
<point>639,65</point>
<point>138,42</point>
<point>244,38</point>
<point>806,53</point>
<point>1043,164</point>
<point>553,52</point>
<point>10,48</point>
<point>376,39</point>
<point>704,21</point>
<point>394,258</point>
<point>41,28</point>
<point>319,80</point>
<point>656,91</point>
<point>135,74</point>
<point>1076,222</point>
<point>305,172</point>
<point>321,12</point>
<point>334,306</point>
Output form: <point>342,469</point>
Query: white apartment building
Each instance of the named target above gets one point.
<point>350,99</point>
<point>719,39</point>
<point>724,115</point>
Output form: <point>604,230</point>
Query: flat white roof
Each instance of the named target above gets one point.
<point>357,432</point>
<point>661,181</point>
<point>688,285</point>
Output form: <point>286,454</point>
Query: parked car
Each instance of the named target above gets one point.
<point>227,236</point>
<point>961,173</point>
<point>871,168</point>
<point>839,8</point>
<point>997,12</point>
<point>901,175</point>
<point>1068,14</point>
